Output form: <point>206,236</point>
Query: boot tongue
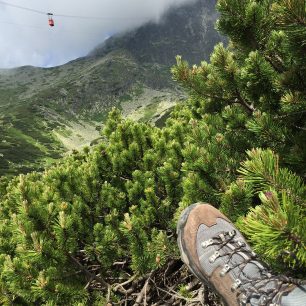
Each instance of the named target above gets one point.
<point>295,298</point>
<point>246,269</point>
<point>252,274</point>
<point>256,281</point>
<point>257,285</point>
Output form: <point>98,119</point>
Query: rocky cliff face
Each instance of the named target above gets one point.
<point>45,111</point>
<point>187,30</point>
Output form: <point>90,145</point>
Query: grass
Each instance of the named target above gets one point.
<point>125,98</point>
<point>26,143</point>
<point>17,134</point>
<point>64,132</point>
<point>150,111</point>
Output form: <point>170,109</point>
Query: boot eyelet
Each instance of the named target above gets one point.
<point>225,269</point>
<point>232,233</point>
<point>236,284</point>
<point>243,299</point>
<point>213,257</point>
<point>206,243</point>
<point>241,243</point>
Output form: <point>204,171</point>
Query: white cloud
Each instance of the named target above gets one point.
<point>26,38</point>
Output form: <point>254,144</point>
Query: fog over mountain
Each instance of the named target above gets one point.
<point>26,38</point>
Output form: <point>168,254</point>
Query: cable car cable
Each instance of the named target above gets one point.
<point>23,8</point>
<point>66,16</point>
<point>44,29</point>
<point>22,25</point>
<point>99,18</point>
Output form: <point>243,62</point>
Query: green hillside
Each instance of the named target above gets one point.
<point>45,112</point>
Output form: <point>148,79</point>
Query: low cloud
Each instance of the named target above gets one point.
<point>27,39</point>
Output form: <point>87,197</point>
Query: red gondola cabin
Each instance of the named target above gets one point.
<point>50,20</point>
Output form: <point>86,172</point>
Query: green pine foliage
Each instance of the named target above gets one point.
<point>67,235</point>
<point>277,227</point>
<point>259,74</point>
<point>116,203</point>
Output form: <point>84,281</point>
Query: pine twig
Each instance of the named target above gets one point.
<point>142,294</point>
<point>116,288</point>
<point>90,275</point>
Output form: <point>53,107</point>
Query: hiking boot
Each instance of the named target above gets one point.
<point>216,252</point>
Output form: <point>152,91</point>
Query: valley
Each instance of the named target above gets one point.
<point>47,112</point>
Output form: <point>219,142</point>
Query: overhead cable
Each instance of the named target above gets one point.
<point>68,16</point>
<point>23,8</point>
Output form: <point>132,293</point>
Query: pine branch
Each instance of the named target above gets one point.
<point>250,109</point>
<point>238,99</point>
<point>278,67</point>
<point>89,275</point>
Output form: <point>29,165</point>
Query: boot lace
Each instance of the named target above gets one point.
<point>267,288</point>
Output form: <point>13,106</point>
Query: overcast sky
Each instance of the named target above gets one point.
<point>26,38</point>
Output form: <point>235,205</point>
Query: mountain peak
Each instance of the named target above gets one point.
<point>187,30</point>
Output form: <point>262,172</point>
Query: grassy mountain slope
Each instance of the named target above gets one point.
<point>46,111</point>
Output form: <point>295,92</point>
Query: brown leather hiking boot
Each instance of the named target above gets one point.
<point>216,252</point>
